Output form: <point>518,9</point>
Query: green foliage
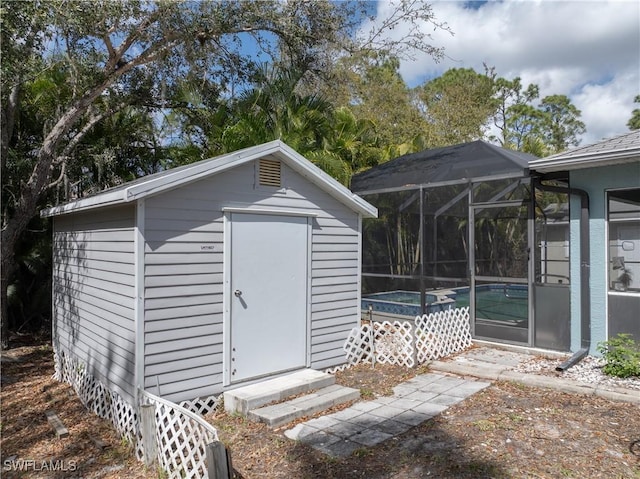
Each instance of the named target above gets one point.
<point>459,104</point>
<point>550,127</point>
<point>559,122</point>
<point>85,86</point>
<point>366,393</point>
<point>634,121</point>
<point>29,291</point>
<point>622,356</point>
<point>371,86</point>
<point>514,116</point>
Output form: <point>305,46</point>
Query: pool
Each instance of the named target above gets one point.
<point>497,302</point>
<point>405,303</point>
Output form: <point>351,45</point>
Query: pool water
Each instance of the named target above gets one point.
<point>493,302</point>
<point>404,303</point>
<point>407,297</point>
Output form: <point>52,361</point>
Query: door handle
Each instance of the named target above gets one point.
<point>237,293</point>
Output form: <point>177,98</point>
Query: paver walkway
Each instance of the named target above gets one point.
<point>371,422</point>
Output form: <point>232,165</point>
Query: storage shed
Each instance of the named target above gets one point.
<point>197,279</point>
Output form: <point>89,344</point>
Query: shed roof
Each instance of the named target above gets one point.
<point>619,149</point>
<point>182,175</point>
<point>450,164</point>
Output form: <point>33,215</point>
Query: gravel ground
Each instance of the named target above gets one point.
<point>589,370</point>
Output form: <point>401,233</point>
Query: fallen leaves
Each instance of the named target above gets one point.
<point>504,431</point>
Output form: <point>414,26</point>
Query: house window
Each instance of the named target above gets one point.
<point>269,173</point>
<point>624,240</point>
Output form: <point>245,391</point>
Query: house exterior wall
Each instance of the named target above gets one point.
<point>596,182</point>
<point>94,293</point>
<point>183,283</point>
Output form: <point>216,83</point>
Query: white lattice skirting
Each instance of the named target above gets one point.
<point>430,337</point>
<point>97,398</point>
<point>181,435</point>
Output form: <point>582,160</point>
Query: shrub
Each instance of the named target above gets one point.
<point>622,356</point>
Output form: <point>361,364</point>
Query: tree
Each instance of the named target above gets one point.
<point>277,108</point>
<point>371,86</point>
<point>114,55</point>
<point>560,124</point>
<point>458,104</point>
<point>547,128</point>
<point>515,117</point>
<point>634,121</point>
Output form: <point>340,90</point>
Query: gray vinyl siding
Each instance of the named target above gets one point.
<point>184,255</point>
<point>93,289</point>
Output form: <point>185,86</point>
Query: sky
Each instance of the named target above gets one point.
<point>587,50</point>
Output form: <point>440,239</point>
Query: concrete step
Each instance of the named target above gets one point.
<point>285,412</point>
<point>246,398</point>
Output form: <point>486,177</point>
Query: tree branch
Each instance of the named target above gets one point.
<point>126,44</point>
<point>112,53</point>
<point>63,170</point>
<point>8,122</point>
<point>73,142</point>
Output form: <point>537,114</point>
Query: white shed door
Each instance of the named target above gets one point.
<point>268,294</point>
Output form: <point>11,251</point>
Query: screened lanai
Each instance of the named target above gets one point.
<point>421,255</point>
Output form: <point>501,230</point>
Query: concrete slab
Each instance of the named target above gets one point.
<point>345,430</point>
<point>445,400</point>
<point>468,388</point>
<point>392,427</point>
<point>404,389</point>
<point>300,431</point>
<point>371,422</point>
<point>421,396</point>
<point>476,369</point>
<point>412,418</point>
<point>323,422</point>
<point>342,448</point>
<point>366,421</point>
<point>423,379</point>
<point>366,406</point>
<point>385,399</point>
<point>430,409</point>
<point>405,403</point>
<point>371,437</point>
<point>348,414</point>
<point>284,412</point>
<point>494,356</point>
<point>320,439</point>
<point>246,398</point>
<point>386,412</point>
<point>442,385</point>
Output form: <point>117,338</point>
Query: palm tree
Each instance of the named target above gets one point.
<point>333,139</point>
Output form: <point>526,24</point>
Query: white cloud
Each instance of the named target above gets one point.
<point>589,51</point>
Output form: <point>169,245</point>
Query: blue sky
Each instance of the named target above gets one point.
<point>587,50</point>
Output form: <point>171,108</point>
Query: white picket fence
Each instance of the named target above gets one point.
<point>429,337</point>
<point>181,435</point>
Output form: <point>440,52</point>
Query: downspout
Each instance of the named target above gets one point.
<point>585,291</point>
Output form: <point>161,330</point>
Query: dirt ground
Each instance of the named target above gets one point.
<point>505,431</point>
<point>29,446</point>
